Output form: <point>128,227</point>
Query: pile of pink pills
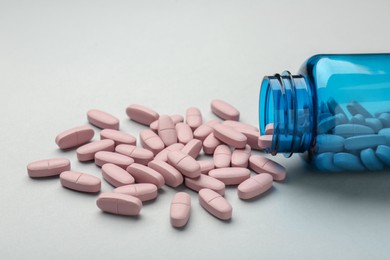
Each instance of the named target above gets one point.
<point>167,156</point>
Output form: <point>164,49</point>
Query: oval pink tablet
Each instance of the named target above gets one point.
<point>119,204</point>
<point>172,176</point>
<point>80,181</point>
<point>151,141</point>
<point>261,164</point>
<point>87,152</point>
<point>184,133</point>
<point>193,117</point>
<point>141,114</point>
<point>175,119</point>
<point>187,165</point>
<point>144,174</point>
<point>167,130</point>
<point>269,129</point>
<point>118,137</point>
<point>143,191</point>
<point>265,141</point>
<point>74,137</point>
<point>222,156</point>
<point>205,181</point>
<point>240,157</point>
<point>104,157</point>
<point>215,204</point>
<point>163,155</point>
<point>228,135</point>
<point>224,110</point>
<point>204,130</point>
<point>206,166</point>
<point>102,119</point>
<point>115,175</point>
<point>48,167</point>
<point>237,124</point>
<point>139,154</point>
<point>254,186</point>
<point>180,209</point>
<point>210,143</point>
<point>193,148</point>
<point>231,176</point>
<point>251,136</point>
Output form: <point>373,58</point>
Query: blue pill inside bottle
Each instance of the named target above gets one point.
<point>336,109</point>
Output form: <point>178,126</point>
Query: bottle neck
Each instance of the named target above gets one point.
<point>287,101</point>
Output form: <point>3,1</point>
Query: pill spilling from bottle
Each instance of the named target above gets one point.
<point>168,155</point>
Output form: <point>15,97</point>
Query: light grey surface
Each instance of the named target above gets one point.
<point>60,58</point>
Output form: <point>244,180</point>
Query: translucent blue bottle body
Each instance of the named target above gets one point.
<point>337,109</point>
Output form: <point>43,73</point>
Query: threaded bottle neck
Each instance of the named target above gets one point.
<point>287,101</point>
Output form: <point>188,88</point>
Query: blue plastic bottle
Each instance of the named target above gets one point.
<point>337,109</point>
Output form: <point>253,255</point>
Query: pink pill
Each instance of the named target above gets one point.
<point>206,166</point>
<point>251,136</point>
<point>143,191</point>
<point>163,155</point>
<point>231,176</point>
<point>193,148</point>
<point>204,130</point>
<point>171,175</point>
<point>118,137</point>
<point>104,157</point>
<point>187,165</point>
<point>215,204</point>
<point>269,129</point>
<point>240,157</point>
<point>180,209</point>
<point>193,117</point>
<point>151,141</point>
<point>119,204</point>
<point>261,164</point>
<point>167,130</point>
<point>87,152</point>
<point>265,141</point>
<point>228,135</point>
<point>184,133</point>
<point>80,181</point>
<point>102,119</point>
<point>115,175</point>
<point>222,156</point>
<point>48,167</point>
<point>205,181</point>
<point>175,118</point>
<point>254,186</point>
<point>74,137</point>
<point>210,143</point>
<point>235,124</point>
<point>224,110</point>
<point>144,174</point>
<point>139,154</point>
<point>141,114</point>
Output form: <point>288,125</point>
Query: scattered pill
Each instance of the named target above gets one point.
<point>142,191</point>
<point>74,137</point>
<point>206,166</point>
<point>171,175</point>
<point>115,175</point>
<point>102,119</point>
<point>269,129</point>
<point>193,148</point>
<point>383,153</point>
<point>204,130</point>
<point>240,157</point>
<point>139,154</point>
<point>231,175</point>
<point>265,141</point>
<point>87,151</point>
<point>261,164</point>
<point>175,119</point>
<point>180,209</point>
<point>364,141</point>
<point>348,162</point>
<point>193,117</point>
<point>228,135</point>
<point>141,114</point>
<point>151,141</point>
<point>210,143</point>
<point>224,110</point>
<point>48,167</point>
<point>187,165</point>
<point>215,204</point>
<point>254,186</point>
<point>80,181</point>
<point>252,137</point>
<point>163,155</point>
<point>119,204</point>
<point>104,157</point>
<point>184,133</point>
<point>205,181</point>
<point>222,156</point>
<point>118,137</point>
<point>144,174</point>
<point>166,130</point>
<point>240,125</point>
<point>370,160</point>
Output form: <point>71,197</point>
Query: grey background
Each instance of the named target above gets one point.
<point>60,58</point>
